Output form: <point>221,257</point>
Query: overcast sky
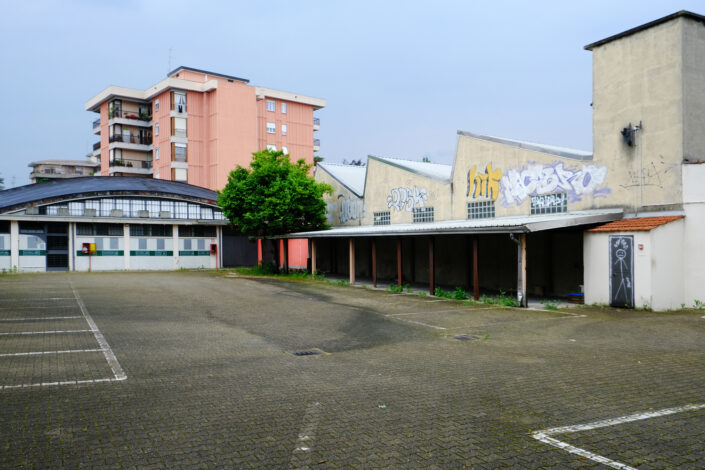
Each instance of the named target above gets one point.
<point>399,77</point>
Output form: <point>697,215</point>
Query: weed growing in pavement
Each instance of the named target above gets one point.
<point>444,294</point>
<point>699,305</point>
<point>550,304</point>
<point>396,288</point>
<point>460,294</point>
<point>342,282</point>
<point>502,299</point>
<point>407,288</point>
<point>421,293</point>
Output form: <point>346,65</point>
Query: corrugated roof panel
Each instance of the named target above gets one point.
<point>637,224</point>
<point>437,171</point>
<point>351,176</point>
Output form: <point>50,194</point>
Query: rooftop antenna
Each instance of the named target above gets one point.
<point>169,70</point>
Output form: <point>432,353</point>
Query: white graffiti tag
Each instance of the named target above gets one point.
<point>537,179</point>
<point>350,209</point>
<point>406,198</point>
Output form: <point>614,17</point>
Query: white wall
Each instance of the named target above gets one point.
<point>667,266</point>
<point>31,263</point>
<point>5,258</point>
<point>108,258</point>
<point>597,268</point>
<point>151,257</point>
<point>197,255</point>
<point>642,278</point>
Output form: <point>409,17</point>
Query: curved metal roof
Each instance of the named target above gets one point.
<point>100,186</point>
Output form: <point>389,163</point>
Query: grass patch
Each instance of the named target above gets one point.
<point>502,299</point>
<point>550,304</point>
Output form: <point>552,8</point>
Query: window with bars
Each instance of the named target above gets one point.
<point>180,210</point>
<point>150,230</point>
<point>382,218</point>
<point>106,205</point>
<point>153,208</point>
<point>196,231</point>
<point>481,210</point>
<point>136,205</point>
<point>194,211</point>
<point>549,204</point>
<point>423,214</point>
<point>76,208</point>
<point>167,206</point>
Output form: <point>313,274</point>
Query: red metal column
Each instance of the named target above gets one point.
<point>431,268</point>
<point>285,244</point>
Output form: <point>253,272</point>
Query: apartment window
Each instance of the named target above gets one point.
<point>156,153</point>
<point>283,108</point>
<point>178,127</point>
<point>179,153</point>
<point>271,105</point>
<point>382,218</point>
<point>156,129</point>
<point>156,105</point>
<point>79,171</point>
<point>273,148</point>
<point>285,150</point>
<point>549,204</point>
<point>179,174</point>
<point>271,128</point>
<point>481,210</point>
<point>179,102</point>
<point>423,214</point>
<point>283,129</point>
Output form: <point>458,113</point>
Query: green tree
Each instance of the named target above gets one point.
<point>273,196</point>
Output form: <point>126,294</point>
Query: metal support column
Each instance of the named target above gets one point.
<point>431,267</point>
<point>352,261</point>
<point>399,261</point>
<point>374,263</point>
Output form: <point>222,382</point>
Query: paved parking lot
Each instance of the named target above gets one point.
<point>192,369</point>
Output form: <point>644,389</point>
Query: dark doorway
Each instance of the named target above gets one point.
<point>57,246</point>
<point>622,271</point>
<point>238,250</point>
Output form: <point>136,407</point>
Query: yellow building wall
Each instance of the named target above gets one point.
<point>343,206</point>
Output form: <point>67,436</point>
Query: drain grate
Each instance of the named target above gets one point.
<point>309,352</point>
<point>464,337</point>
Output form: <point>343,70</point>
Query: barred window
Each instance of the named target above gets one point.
<point>481,210</point>
<point>153,208</point>
<point>206,213</point>
<point>167,206</point>
<point>113,230</point>
<point>180,210</point>
<point>106,205</point>
<point>549,204</point>
<point>218,215</point>
<point>76,208</point>
<point>423,214</point>
<point>194,211</point>
<point>123,205</point>
<point>137,205</point>
<point>382,218</point>
<point>149,230</point>
<point>196,231</point>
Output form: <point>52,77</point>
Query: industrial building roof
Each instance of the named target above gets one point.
<point>350,176</point>
<point>637,224</point>
<point>542,148</point>
<point>651,24</point>
<point>512,224</point>
<point>437,171</point>
<point>93,185</point>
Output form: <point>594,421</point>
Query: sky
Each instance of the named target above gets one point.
<point>400,78</point>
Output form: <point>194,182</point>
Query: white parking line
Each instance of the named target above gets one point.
<point>420,323</point>
<point>109,354</point>
<point>54,332</point>
<point>420,313</point>
<point>35,299</point>
<point>41,353</point>
<point>39,318</point>
<point>301,457</point>
<point>32,308</point>
<point>545,435</point>
<point>65,382</point>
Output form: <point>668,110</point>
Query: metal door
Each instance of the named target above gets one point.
<point>622,271</point>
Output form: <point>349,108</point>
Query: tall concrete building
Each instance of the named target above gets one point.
<point>195,126</point>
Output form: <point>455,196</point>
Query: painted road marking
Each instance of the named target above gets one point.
<point>109,354</point>
<point>301,456</point>
<point>41,353</point>
<point>40,318</point>
<point>420,313</point>
<point>421,323</point>
<point>55,332</point>
<point>36,299</point>
<point>545,435</point>
<point>65,382</point>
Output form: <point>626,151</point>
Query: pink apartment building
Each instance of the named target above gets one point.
<point>195,126</point>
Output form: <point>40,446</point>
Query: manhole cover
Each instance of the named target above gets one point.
<point>464,337</point>
<point>309,352</point>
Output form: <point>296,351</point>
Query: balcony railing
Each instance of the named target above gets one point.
<point>96,146</point>
<point>145,164</point>
<point>316,121</point>
<point>316,142</point>
<point>96,123</point>
<point>116,113</point>
<point>130,139</point>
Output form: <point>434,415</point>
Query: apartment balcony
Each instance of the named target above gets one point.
<point>96,126</point>
<point>132,167</point>
<point>316,145</point>
<point>130,142</point>
<point>316,124</point>
<point>129,118</point>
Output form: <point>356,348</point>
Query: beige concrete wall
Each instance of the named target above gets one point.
<point>343,206</point>
<point>693,90</point>
<point>397,190</point>
<point>487,170</point>
<point>638,79</point>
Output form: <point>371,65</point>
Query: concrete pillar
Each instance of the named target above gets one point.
<point>374,263</point>
<point>313,256</point>
<point>431,267</point>
<point>14,244</point>
<point>175,244</point>
<point>352,261</point>
<point>521,270</point>
<point>126,241</point>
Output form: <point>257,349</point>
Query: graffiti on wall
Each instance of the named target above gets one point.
<point>344,209</point>
<point>537,179</point>
<point>484,185</point>
<point>407,198</point>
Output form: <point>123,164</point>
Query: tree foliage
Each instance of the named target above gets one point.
<point>273,196</point>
